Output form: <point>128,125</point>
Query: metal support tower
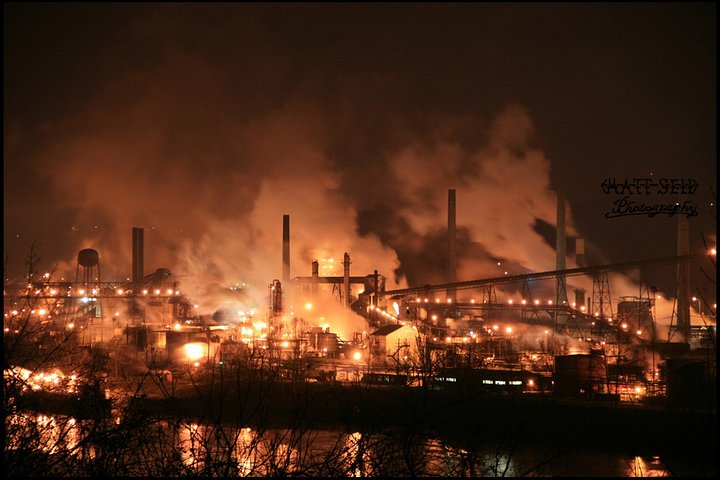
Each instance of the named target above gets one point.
<point>488,294</point>
<point>601,306</point>
<point>528,298</point>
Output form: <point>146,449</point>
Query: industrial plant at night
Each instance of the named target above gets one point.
<point>532,333</point>
<point>360,240</point>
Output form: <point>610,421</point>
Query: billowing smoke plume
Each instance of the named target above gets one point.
<point>207,154</point>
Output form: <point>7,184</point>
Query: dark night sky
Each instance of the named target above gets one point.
<point>208,122</point>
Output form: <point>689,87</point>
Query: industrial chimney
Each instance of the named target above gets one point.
<point>452,254</point>
<point>138,268</point>
<point>560,263</point>
<point>346,279</point>
<point>314,279</point>
<point>683,283</point>
<point>286,250</point>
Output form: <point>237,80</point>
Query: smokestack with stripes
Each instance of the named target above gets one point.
<point>452,253</point>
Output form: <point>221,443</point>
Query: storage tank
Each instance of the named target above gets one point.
<point>88,257</point>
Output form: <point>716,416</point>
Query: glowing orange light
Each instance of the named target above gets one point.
<point>195,351</point>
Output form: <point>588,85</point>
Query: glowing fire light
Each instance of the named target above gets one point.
<point>357,356</point>
<point>195,351</point>
<point>308,306</point>
<point>508,329</point>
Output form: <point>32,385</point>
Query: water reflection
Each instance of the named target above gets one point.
<point>211,450</point>
<point>642,467</point>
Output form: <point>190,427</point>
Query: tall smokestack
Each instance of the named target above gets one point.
<point>683,302</point>
<point>138,269</point>
<point>560,263</point>
<point>315,274</point>
<point>286,251</point>
<point>560,237</point>
<point>346,279</point>
<point>452,254</point>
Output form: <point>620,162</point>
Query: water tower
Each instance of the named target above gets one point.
<point>89,261</point>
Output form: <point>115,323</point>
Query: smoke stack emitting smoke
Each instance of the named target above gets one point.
<point>227,232</point>
<point>209,194</point>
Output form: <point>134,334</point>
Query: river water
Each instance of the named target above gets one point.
<point>193,449</point>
